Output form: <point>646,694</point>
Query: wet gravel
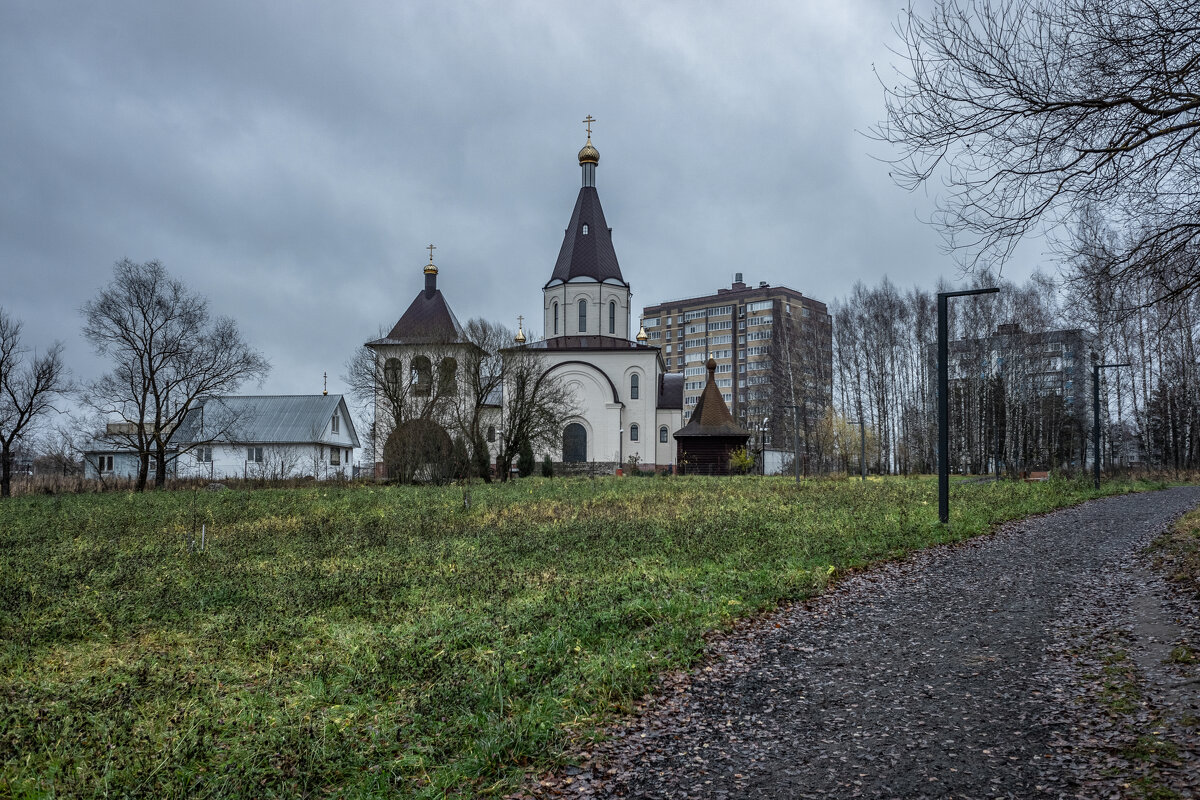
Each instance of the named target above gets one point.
<point>960,672</point>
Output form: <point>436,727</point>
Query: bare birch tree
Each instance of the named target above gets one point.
<point>28,389</point>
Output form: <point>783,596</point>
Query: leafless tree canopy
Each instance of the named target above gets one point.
<point>1035,111</point>
<point>28,386</point>
<point>167,352</point>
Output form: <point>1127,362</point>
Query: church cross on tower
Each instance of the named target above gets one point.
<point>431,248</point>
<point>589,122</point>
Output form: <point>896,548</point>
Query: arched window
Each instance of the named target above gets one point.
<point>556,319</point>
<point>421,375</point>
<point>447,376</point>
<point>492,433</point>
<point>583,316</point>
<point>574,443</point>
<point>585,230</point>
<point>392,369</point>
<point>634,431</point>
<point>612,316</point>
<point>662,434</point>
<point>633,386</point>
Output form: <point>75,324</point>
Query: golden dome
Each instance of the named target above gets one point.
<point>520,337</point>
<point>589,154</point>
<point>642,336</point>
<point>430,269</point>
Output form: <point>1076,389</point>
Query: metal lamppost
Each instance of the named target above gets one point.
<point>943,394</point>
<point>862,453</point>
<point>795,439</point>
<point>763,446</point>
<point>1096,367</point>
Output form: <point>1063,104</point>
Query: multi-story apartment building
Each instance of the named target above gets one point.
<point>773,347</point>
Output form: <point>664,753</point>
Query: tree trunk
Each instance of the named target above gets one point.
<point>160,461</point>
<point>5,470</point>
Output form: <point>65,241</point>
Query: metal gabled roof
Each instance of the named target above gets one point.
<point>267,419</point>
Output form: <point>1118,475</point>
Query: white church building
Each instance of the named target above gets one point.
<point>628,404</point>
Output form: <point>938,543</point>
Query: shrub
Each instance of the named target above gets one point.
<point>525,460</point>
<point>547,467</point>
<point>741,462</point>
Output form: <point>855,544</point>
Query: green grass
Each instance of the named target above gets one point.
<point>372,641</point>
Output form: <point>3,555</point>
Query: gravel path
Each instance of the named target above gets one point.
<point>946,675</point>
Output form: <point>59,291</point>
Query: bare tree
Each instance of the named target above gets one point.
<point>167,353</point>
<point>27,390</point>
<point>1034,112</point>
<point>535,406</point>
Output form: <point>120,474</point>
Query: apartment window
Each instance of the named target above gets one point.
<point>651,323</point>
<point>612,316</point>
<point>662,434</point>
<point>334,423</point>
<point>633,387</point>
<point>633,432</point>
<point>582,316</point>
<point>254,455</point>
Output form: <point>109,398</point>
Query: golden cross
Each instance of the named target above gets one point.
<point>589,122</point>
<point>431,248</point>
<point>325,380</point>
<point>520,321</point>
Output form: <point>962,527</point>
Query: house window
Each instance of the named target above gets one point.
<point>335,456</point>
<point>491,437</point>
<point>633,387</point>
<point>334,423</point>
<point>612,316</point>
<point>585,230</point>
<point>633,432</point>
<point>254,455</point>
<point>582,316</point>
<point>204,455</point>
<point>556,319</point>
<point>106,464</point>
<point>662,434</point>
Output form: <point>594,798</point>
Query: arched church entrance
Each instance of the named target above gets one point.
<point>574,443</point>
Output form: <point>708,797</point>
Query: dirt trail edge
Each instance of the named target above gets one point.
<point>946,675</point>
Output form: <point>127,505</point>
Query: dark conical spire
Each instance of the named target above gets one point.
<point>587,249</point>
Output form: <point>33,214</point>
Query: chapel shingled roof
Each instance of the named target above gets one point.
<point>711,416</point>
<point>587,255</point>
<point>428,320</point>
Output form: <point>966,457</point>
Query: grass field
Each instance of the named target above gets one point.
<point>372,641</point>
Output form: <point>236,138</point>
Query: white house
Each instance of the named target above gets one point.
<point>268,436</point>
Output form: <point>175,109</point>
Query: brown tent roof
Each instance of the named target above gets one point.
<point>428,320</point>
<point>711,416</point>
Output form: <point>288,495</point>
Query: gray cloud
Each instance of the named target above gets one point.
<point>291,161</point>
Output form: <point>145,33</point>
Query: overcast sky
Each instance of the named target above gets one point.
<point>292,160</point>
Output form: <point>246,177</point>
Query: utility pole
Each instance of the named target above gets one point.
<point>943,346</point>
<point>1096,367</point>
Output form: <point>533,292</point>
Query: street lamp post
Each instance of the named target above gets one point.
<point>944,400</point>
<point>1096,367</point>
<point>763,446</point>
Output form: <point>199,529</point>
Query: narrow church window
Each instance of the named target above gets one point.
<point>583,316</point>
<point>491,437</point>
<point>662,434</point>
<point>391,373</point>
<point>633,432</point>
<point>585,230</point>
<point>556,319</point>
<point>633,387</point>
<point>422,376</point>
<point>447,376</point>
<point>612,316</point>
